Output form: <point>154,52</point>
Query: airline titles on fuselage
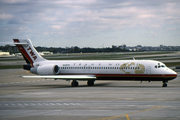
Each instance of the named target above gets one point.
<point>127,68</point>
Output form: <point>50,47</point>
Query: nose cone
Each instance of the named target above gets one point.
<point>173,74</point>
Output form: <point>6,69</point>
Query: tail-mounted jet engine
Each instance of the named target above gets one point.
<point>27,67</point>
<point>49,69</point>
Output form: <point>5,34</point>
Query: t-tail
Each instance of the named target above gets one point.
<point>29,53</point>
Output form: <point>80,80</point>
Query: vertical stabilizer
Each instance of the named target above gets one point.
<point>28,51</point>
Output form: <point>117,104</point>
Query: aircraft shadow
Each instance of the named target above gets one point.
<point>95,85</point>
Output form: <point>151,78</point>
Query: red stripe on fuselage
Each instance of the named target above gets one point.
<point>123,75</point>
<point>151,77</point>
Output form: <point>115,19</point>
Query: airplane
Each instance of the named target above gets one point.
<point>92,70</point>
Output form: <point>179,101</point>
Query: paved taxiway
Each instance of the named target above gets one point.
<point>48,99</point>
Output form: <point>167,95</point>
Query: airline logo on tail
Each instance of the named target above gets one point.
<point>28,51</point>
<point>24,51</point>
<point>32,53</point>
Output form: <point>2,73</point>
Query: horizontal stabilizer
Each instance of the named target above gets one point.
<point>20,43</point>
<point>64,77</point>
<point>13,43</point>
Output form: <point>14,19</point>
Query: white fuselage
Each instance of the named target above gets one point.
<point>113,69</point>
<point>92,70</point>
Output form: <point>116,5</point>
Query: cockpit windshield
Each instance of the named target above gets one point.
<point>160,65</point>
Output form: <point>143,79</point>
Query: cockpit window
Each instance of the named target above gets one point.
<point>160,66</point>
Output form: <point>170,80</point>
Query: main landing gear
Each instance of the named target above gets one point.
<point>74,83</point>
<point>164,83</point>
<point>90,82</point>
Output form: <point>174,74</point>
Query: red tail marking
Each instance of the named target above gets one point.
<point>23,51</point>
<point>16,40</point>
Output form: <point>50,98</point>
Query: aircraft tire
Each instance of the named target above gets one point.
<point>74,83</point>
<point>164,85</point>
<point>90,82</point>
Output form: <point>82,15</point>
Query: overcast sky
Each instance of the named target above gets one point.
<point>91,23</point>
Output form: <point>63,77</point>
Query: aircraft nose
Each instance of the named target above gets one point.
<point>174,74</point>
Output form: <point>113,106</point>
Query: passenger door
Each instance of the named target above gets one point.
<point>148,70</point>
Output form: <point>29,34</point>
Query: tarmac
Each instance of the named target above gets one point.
<point>45,99</point>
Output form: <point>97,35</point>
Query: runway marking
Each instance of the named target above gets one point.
<point>33,104</point>
<point>25,104</point>
<point>46,104</point>
<point>38,104</point>
<point>66,104</point>
<point>58,104</point>
<point>127,117</point>
<point>72,104</point>
<point>24,82</point>
<point>19,104</point>
<point>52,104</point>
<point>118,116</point>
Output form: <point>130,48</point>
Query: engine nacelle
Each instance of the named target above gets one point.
<point>49,69</point>
<point>27,67</point>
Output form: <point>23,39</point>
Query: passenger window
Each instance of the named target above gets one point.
<point>155,66</point>
<point>159,66</point>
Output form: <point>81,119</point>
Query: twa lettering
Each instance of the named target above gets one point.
<point>32,53</point>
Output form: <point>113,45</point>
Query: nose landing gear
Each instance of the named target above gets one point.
<point>164,83</point>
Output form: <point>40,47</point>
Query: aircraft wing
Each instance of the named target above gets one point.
<point>65,77</point>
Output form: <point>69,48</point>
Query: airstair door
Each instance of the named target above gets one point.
<point>148,70</point>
